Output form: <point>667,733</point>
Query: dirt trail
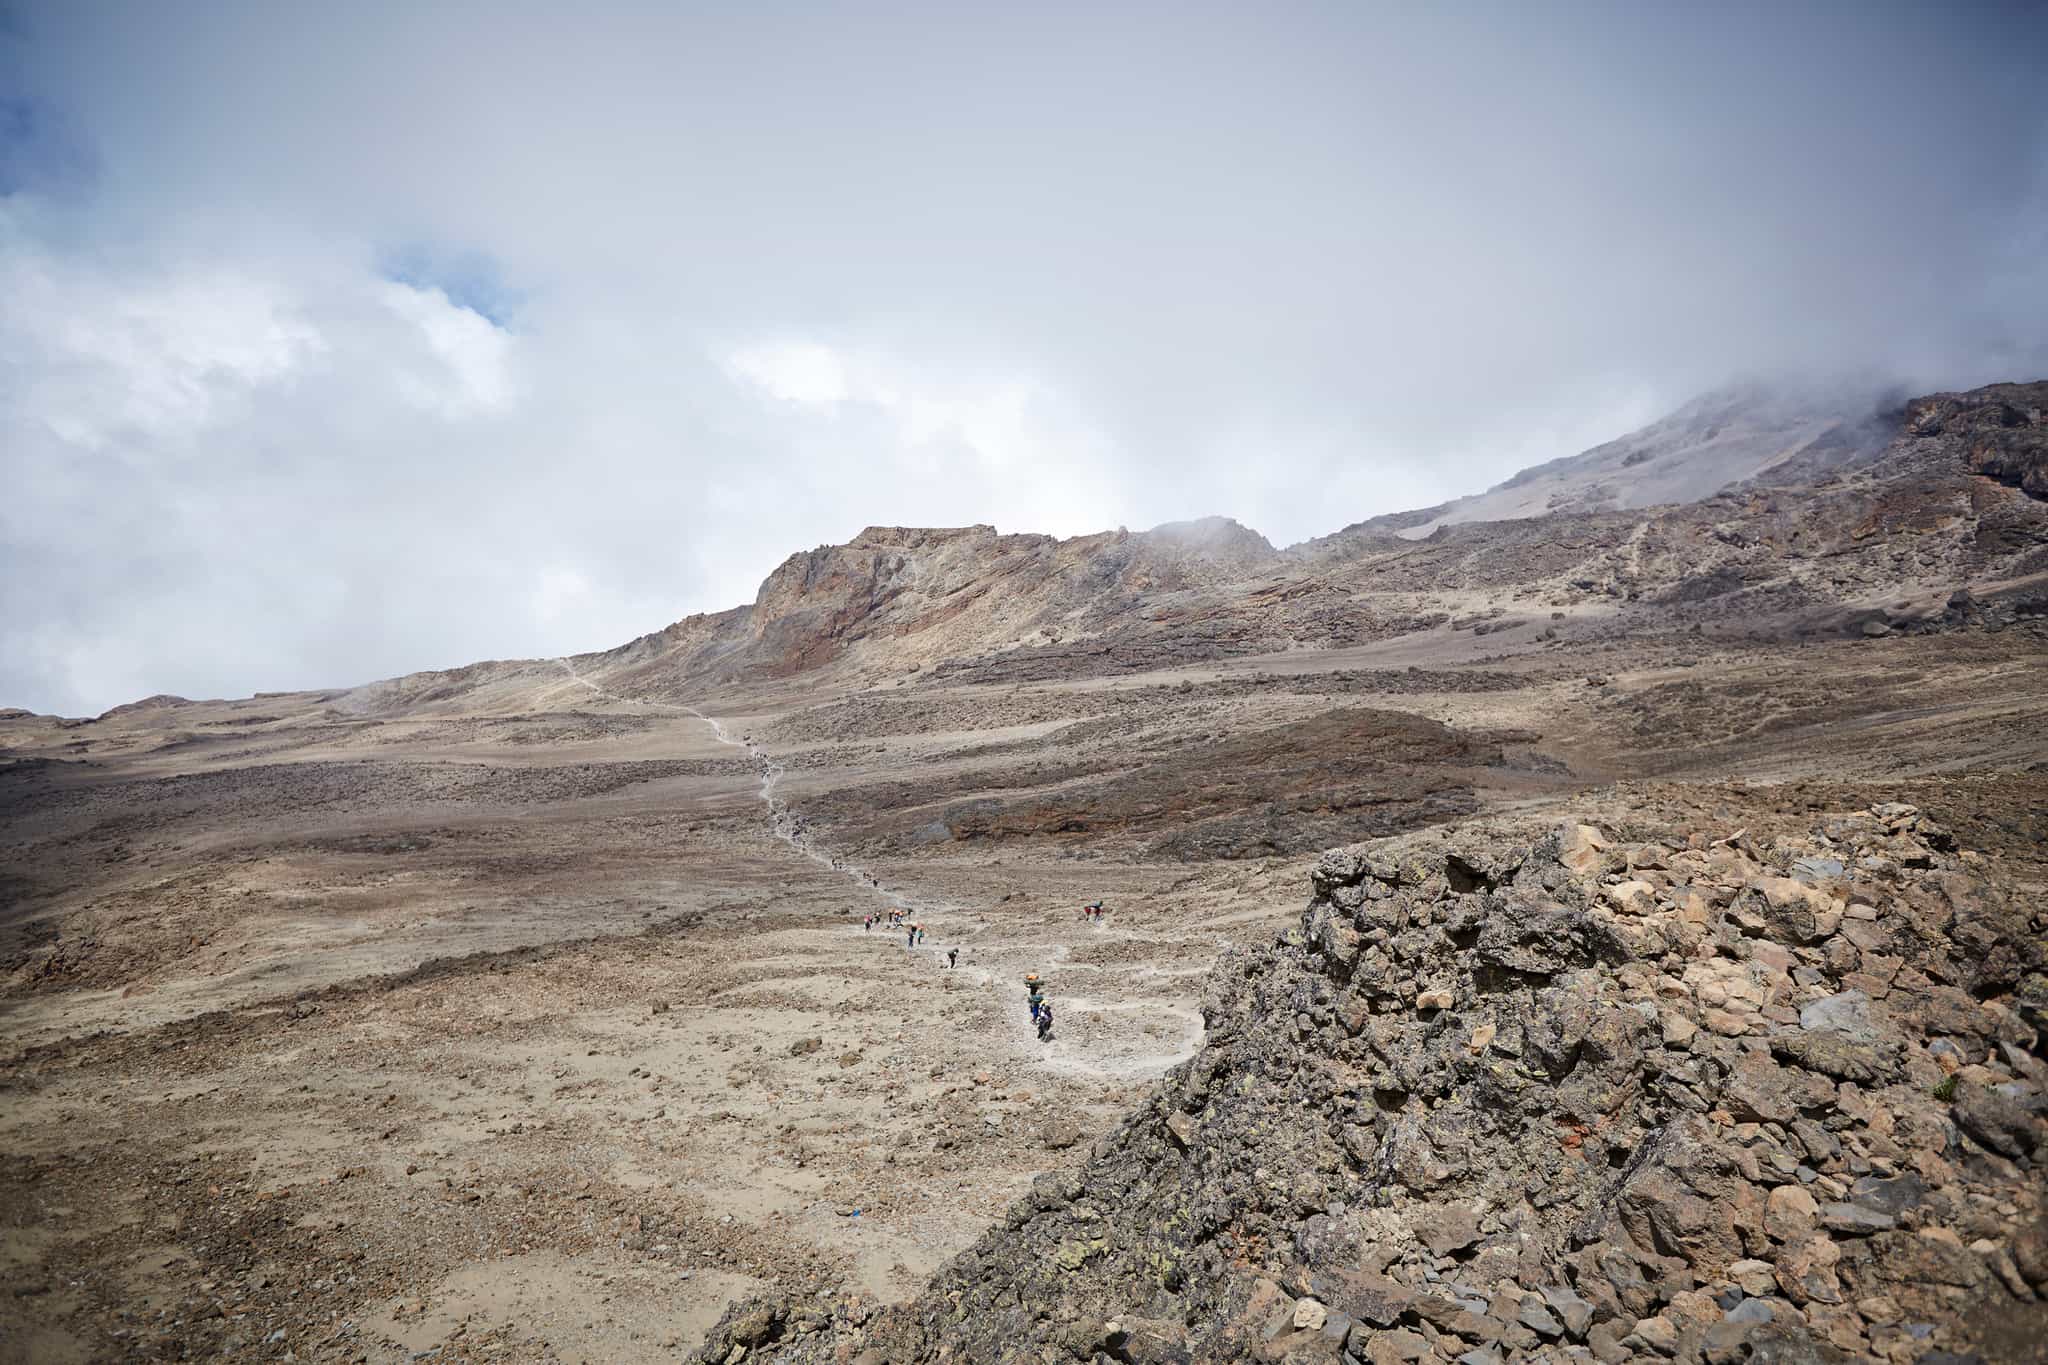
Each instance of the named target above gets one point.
<point>957,924</point>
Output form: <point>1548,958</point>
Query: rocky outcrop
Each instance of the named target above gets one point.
<point>1699,1098</point>
<point>2002,428</point>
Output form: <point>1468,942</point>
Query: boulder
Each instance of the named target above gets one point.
<point>1998,1121</point>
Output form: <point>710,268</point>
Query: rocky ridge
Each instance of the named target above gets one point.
<point>1929,517</point>
<point>1706,1096</point>
<point>1741,434</point>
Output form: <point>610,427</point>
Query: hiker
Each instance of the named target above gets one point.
<point>911,941</point>
<point>867,926</point>
<point>1045,1022</point>
<point>952,957</point>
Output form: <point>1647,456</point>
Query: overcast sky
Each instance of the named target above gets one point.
<point>342,340</point>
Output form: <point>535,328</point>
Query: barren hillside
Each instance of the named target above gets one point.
<point>545,1010</point>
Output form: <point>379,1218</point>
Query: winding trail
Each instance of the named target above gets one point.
<point>788,826</point>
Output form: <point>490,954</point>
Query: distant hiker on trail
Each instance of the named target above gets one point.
<point>952,957</point>
<point>867,926</point>
<point>911,940</point>
<point>1045,1022</point>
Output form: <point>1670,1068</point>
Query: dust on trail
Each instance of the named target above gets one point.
<point>1020,1035</point>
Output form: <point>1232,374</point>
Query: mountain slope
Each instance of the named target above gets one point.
<point>1860,530</point>
<point>1743,434</point>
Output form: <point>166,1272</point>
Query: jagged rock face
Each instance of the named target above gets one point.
<point>1696,1099</point>
<point>2003,429</point>
<point>894,582</point>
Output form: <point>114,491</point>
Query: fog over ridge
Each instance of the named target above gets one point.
<point>340,343</point>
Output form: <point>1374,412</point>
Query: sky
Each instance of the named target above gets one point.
<point>339,341</point>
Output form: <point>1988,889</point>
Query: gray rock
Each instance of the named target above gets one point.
<point>1846,1012</point>
<point>2000,1123</point>
<point>1605,1342</point>
<point>1854,1220</point>
<point>1813,870</point>
<point>1533,1315</point>
<point>1893,1196</point>
<point>1573,1311</point>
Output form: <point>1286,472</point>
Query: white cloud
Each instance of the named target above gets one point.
<point>1041,463</point>
<point>472,375</point>
<point>926,266</point>
<point>793,371</point>
<point>99,355</point>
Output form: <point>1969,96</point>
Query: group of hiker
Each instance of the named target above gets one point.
<point>913,932</point>
<point>1034,987</point>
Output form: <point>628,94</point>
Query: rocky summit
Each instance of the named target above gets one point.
<point>1674,993</point>
<point>1709,1096</point>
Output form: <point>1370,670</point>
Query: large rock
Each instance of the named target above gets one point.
<point>1999,1122</point>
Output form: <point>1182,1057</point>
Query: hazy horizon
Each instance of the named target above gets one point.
<point>340,344</point>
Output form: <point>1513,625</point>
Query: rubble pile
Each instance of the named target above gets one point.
<point>1703,1099</point>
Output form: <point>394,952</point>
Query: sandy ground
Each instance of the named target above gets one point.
<point>540,1033</point>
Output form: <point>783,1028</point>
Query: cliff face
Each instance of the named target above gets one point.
<point>2003,430</point>
<point>1707,1097</point>
<point>895,583</point>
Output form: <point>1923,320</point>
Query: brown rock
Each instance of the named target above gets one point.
<point>1450,1229</point>
<point>1759,1092</point>
<point>1581,847</point>
<point>1656,1334</point>
<point>1392,1348</point>
<point>2030,1251</point>
<point>1806,1271</point>
<point>1790,1214</point>
<point>1793,911</point>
